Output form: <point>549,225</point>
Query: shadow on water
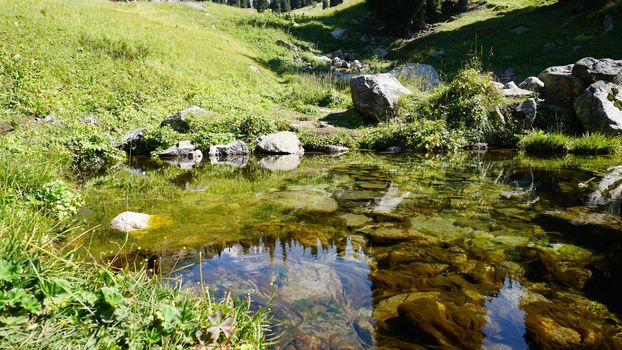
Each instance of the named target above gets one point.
<point>470,251</point>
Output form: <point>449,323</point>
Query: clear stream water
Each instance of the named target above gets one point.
<point>472,250</point>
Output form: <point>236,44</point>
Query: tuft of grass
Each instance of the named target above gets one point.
<point>593,144</point>
<point>540,142</point>
<point>420,135</point>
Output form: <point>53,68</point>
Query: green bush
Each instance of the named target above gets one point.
<point>595,144</point>
<point>421,135</point>
<point>465,103</point>
<point>92,152</point>
<point>308,92</point>
<point>539,142</point>
<point>161,138</point>
<point>317,142</point>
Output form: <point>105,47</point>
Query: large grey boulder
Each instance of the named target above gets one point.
<point>428,75</point>
<point>376,95</point>
<point>591,70</point>
<point>599,108</point>
<point>339,33</point>
<point>183,150</point>
<point>179,122</point>
<point>130,221</point>
<point>532,84</point>
<point>284,142</point>
<point>235,148</point>
<point>133,142</point>
<point>529,109</point>
<point>560,86</point>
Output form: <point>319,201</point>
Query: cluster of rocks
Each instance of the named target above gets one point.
<point>589,90</point>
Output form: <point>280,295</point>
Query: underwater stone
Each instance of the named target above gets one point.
<point>354,220</point>
<point>306,201</point>
<point>130,221</point>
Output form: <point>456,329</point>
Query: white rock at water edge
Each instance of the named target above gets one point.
<point>130,221</point>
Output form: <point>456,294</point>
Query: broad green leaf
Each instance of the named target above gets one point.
<point>112,296</point>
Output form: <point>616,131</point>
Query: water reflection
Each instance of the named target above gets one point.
<point>320,291</point>
<point>505,320</point>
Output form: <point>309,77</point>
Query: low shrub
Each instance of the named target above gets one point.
<point>595,144</point>
<point>420,135</point>
<point>539,142</point>
<point>318,142</point>
<point>92,152</point>
<point>308,92</point>
<point>161,138</point>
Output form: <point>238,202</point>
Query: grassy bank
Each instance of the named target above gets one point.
<point>540,142</point>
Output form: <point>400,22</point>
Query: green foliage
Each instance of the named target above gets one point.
<point>159,139</point>
<point>595,144</point>
<point>539,142</point>
<point>206,133</point>
<point>116,48</point>
<point>317,142</point>
<point>93,151</point>
<point>420,135</point>
<point>308,92</point>
<point>56,199</point>
<point>466,101</point>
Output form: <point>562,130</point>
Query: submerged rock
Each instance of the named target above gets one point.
<point>355,220</point>
<point>376,95</point>
<point>238,161</point>
<point>599,108</point>
<point>179,122</point>
<point>334,149</point>
<point>284,142</point>
<point>303,200</point>
<point>130,221</point>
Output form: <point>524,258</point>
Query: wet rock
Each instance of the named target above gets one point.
<point>334,149</point>
<point>609,188</point>
<point>560,86</point>
<point>480,146</point>
<point>599,108</point>
<point>437,324</point>
<point>287,162</point>
<point>364,330</point>
<point>390,200</point>
<point>306,342</point>
<point>179,120</point>
<point>310,201</point>
<point>387,308</point>
<point>130,221</point>
<point>394,149</point>
<point>284,142</point>
<point>511,241</point>
<point>532,84</point>
<point>376,95</point>
<point>548,332</point>
<point>355,220</point>
<point>236,148</point>
<point>133,142</point>
<point>428,75</point>
<point>591,70</point>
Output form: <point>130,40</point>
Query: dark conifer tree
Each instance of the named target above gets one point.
<point>261,5</point>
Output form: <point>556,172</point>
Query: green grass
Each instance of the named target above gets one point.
<point>540,142</point>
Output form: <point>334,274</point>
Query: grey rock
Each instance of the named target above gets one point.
<point>599,108</point>
<point>133,142</point>
<point>183,150</point>
<point>339,33</point>
<point>529,108</point>
<point>560,86</point>
<point>325,60</point>
<point>591,70</point>
<point>608,24</point>
<point>498,85</point>
<point>234,148</point>
<point>334,149</point>
<point>90,119</point>
<point>284,142</point>
<point>532,84</point>
<point>50,119</point>
<point>287,44</point>
<point>130,221</point>
<point>394,149</point>
<point>376,95</point>
<point>519,30</point>
<point>609,188</point>
<point>480,146</point>
<point>512,90</point>
<point>254,69</point>
<point>284,162</point>
<point>427,73</point>
<point>179,120</point>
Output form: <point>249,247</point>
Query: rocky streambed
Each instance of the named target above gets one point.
<point>472,250</point>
